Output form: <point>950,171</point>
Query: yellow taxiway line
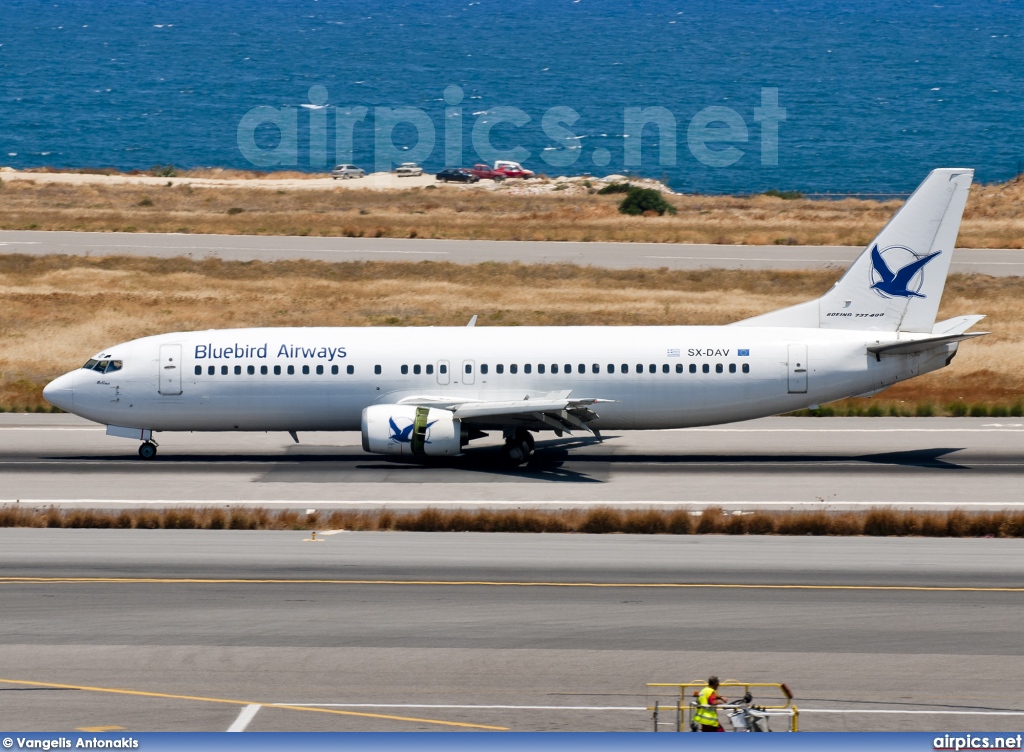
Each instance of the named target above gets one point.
<point>223,701</point>
<point>503,583</point>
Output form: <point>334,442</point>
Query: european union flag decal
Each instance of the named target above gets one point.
<point>741,353</point>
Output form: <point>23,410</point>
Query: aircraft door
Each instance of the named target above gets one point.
<point>443,375</point>
<point>798,369</point>
<point>468,371</point>
<point>170,369</point>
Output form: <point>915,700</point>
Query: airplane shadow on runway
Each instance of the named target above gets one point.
<point>576,460</point>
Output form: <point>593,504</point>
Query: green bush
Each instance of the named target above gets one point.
<point>979,410</point>
<point>640,200</point>
<point>788,195</point>
<point>924,410</point>
<point>958,409</point>
<point>614,188</point>
<point>163,171</point>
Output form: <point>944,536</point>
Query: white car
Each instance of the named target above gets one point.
<point>408,170</point>
<point>346,171</point>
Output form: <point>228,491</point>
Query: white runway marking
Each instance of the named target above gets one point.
<point>490,503</point>
<point>248,248</point>
<point>244,718</point>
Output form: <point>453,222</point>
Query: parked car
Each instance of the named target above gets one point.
<point>457,175</point>
<point>408,170</point>
<point>346,171</point>
<point>501,171</point>
<point>512,169</point>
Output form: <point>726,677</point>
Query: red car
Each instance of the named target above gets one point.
<point>501,171</point>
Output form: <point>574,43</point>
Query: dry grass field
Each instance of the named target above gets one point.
<point>880,521</point>
<point>993,218</point>
<point>59,310</point>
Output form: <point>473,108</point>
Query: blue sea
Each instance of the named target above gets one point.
<point>813,95</point>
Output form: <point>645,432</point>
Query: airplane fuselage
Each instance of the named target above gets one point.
<point>320,379</point>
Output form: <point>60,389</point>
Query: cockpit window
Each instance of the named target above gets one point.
<point>104,366</point>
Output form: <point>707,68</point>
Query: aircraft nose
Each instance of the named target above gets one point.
<point>60,392</point>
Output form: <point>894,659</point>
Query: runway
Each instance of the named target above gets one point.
<point>997,262</point>
<point>194,629</point>
<point>777,462</point>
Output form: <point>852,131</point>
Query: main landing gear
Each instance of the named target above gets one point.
<point>518,447</point>
<point>148,450</point>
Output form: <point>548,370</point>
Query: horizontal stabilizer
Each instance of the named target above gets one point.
<point>919,345</point>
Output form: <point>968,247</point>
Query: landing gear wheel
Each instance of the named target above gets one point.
<point>147,451</point>
<point>519,448</point>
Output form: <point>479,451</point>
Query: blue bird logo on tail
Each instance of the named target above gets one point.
<point>898,284</point>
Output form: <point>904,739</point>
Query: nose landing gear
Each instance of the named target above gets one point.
<point>148,450</point>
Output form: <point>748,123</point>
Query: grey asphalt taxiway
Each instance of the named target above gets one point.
<point>211,630</point>
<point>776,462</point>
<point>995,262</point>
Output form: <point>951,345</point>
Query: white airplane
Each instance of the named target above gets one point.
<point>430,391</point>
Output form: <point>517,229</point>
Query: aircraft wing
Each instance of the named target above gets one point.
<point>558,413</point>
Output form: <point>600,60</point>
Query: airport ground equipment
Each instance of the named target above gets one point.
<point>743,715</point>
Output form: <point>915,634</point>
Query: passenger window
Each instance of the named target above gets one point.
<point>624,368</point>
<point>732,368</point>
<point>90,363</point>
<point>718,367</point>
<point>277,370</point>
<point>554,368</point>
<point>334,370</point>
<point>664,368</point>
<point>746,368</point>
<point>291,370</point>
<point>568,368</point>
<point>639,367</point>
<point>405,370</point>
<point>416,370</point>
<point>526,369</point>
<point>430,369</point>
<point>376,370</point>
<point>611,368</point>
<point>679,367</point>
<point>441,369</point>
<point>693,368</point>
<point>350,370</point>
<point>469,368</point>
<point>319,370</point>
<point>305,370</point>
<point>515,369</point>
<point>540,368</point>
<point>483,369</point>
<point>223,370</point>
<point>582,368</point>
<point>706,368</point>
<point>500,368</point>
<point>210,371</point>
<point>251,370</point>
<point>199,370</point>
<point>652,368</point>
<point>263,370</point>
<point>238,370</point>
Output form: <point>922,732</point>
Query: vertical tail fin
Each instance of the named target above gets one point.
<point>896,284</point>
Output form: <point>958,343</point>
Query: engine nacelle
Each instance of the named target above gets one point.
<point>406,429</point>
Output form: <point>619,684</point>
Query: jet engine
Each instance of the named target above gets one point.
<point>407,429</point>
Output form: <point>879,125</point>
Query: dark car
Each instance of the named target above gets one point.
<point>457,175</point>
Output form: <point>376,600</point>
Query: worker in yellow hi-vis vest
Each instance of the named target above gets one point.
<point>706,716</point>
